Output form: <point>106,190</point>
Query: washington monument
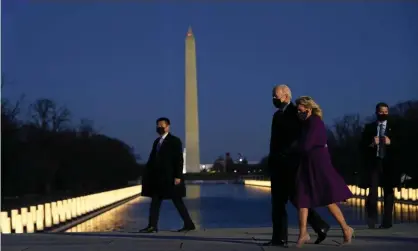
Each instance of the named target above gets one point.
<point>191,106</point>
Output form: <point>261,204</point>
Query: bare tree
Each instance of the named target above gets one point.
<point>46,115</point>
<point>332,140</point>
<point>348,128</point>
<point>10,110</point>
<point>344,148</point>
<point>60,118</point>
<point>41,112</point>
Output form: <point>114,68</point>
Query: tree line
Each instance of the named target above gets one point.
<point>344,138</point>
<point>47,153</point>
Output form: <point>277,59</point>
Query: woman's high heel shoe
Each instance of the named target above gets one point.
<point>303,240</point>
<point>347,239</point>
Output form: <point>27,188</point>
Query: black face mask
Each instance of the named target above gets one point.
<point>279,104</point>
<point>382,117</point>
<point>302,115</point>
<point>160,130</point>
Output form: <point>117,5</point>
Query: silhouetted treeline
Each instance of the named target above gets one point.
<point>46,154</point>
<point>344,136</point>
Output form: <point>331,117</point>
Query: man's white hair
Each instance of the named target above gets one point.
<point>284,89</point>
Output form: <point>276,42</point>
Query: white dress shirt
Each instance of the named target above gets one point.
<point>162,138</point>
<point>384,124</point>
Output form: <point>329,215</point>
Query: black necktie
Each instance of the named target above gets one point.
<point>381,147</point>
<point>159,144</point>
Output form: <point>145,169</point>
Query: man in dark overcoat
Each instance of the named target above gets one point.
<point>379,148</point>
<point>163,177</point>
<point>283,162</point>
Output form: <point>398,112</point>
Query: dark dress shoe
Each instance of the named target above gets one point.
<point>385,226</point>
<point>187,229</point>
<point>281,243</point>
<point>148,230</point>
<point>322,235</point>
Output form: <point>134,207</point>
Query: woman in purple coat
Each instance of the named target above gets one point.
<point>317,182</point>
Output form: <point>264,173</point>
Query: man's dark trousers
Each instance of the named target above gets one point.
<point>377,175</point>
<point>154,211</point>
<point>281,188</point>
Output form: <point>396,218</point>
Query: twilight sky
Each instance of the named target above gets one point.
<point>121,64</point>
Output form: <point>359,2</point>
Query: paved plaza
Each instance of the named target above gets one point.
<point>402,237</point>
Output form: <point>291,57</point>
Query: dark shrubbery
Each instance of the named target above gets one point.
<point>45,155</point>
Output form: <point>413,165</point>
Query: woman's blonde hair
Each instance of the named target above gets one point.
<point>309,103</point>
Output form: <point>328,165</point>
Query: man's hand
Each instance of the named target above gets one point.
<point>177,181</point>
<point>376,141</point>
<point>387,140</point>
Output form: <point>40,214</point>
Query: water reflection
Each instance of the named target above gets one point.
<point>114,219</point>
<point>354,209</point>
<point>402,213</point>
<point>193,193</point>
<point>223,206</point>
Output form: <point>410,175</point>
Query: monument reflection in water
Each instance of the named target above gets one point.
<point>223,206</point>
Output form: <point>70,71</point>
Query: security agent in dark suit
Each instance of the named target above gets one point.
<point>283,162</point>
<point>378,148</point>
<point>163,177</point>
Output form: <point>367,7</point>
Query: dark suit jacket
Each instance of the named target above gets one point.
<point>389,169</point>
<point>162,168</point>
<point>285,131</point>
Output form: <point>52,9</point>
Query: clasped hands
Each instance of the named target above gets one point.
<point>376,141</point>
<point>177,181</point>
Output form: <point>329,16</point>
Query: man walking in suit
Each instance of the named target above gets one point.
<point>283,162</point>
<point>163,177</point>
<point>378,146</point>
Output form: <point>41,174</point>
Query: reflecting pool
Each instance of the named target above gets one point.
<point>223,206</point>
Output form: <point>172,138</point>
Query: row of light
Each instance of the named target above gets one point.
<point>43,216</point>
<point>405,194</point>
<point>404,210</point>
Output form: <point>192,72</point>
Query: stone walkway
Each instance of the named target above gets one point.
<point>400,238</point>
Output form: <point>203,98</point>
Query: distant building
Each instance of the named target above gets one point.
<point>248,169</point>
<point>205,166</point>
